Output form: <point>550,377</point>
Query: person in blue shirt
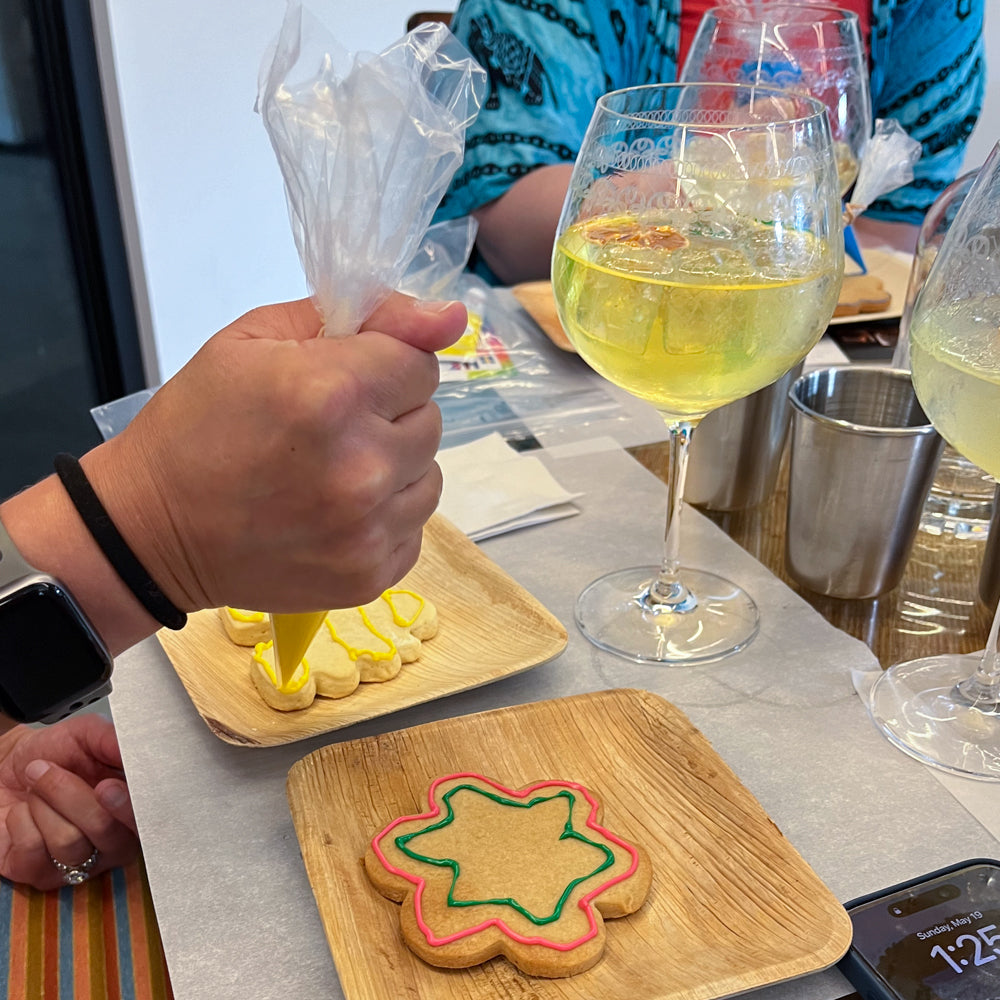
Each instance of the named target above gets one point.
<point>549,60</point>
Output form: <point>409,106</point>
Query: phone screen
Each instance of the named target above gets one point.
<point>939,940</point>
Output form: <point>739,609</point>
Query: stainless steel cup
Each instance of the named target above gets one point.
<point>863,457</point>
<point>989,573</point>
<point>736,451</point>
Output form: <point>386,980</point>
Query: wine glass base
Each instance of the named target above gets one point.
<point>918,706</point>
<point>615,613</point>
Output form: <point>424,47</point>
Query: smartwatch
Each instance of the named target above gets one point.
<point>52,660</point>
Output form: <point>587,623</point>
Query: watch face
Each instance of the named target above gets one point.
<point>51,660</point>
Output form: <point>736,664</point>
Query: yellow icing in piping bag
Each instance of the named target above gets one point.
<point>292,636</point>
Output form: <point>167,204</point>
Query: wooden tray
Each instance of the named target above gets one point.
<point>490,627</point>
<point>733,907</point>
<point>539,303</point>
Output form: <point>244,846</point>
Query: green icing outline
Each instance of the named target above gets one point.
<point>568,832</point>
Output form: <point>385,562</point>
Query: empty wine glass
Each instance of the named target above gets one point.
<point>698,258</point>
<point>812,49</point>
<point>945,710</point>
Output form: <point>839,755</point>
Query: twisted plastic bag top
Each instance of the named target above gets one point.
<point>887,164</point>
<point>367,145</point>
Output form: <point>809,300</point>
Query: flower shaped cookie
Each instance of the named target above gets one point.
<point>529,874</point>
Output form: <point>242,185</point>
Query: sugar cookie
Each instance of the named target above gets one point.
<point>246,628</point>
<point>374,652</point>
<point>299,692</point>
<point>530,874</point>
<point>862,293</point>
<point>336,674</point>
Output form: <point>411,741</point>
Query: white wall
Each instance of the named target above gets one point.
<point>211,235</point>
<point>210,219</point>
<point>987,132</point>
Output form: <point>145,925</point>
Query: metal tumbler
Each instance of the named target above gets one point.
<point>736,450</point>
<point>863,457</point>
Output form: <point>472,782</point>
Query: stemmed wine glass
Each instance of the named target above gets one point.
<point>698,257</point>
<point>813,49</point>
<point>961,499</point>
<point>945,710</point>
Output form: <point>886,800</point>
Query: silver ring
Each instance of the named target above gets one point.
<point>75,874</point>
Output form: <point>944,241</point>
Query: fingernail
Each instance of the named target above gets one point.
<point>437,306</point>
<point>113,796</point>
<point>35,769</point>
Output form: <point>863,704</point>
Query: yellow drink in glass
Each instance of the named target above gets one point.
<point>691,322</point>
<point>959,388</point>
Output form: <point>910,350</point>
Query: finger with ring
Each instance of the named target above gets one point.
<point>75,874</point>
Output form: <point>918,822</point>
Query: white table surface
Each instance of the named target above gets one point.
<point>236,912</point>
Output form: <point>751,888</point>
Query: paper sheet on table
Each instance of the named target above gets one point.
<point>978,797</point>
<point>489,488</point>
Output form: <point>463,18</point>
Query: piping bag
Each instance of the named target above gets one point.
<point>887,163</point>
<point>367,145</point>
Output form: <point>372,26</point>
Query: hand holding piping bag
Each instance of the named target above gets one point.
<point>366,146</point>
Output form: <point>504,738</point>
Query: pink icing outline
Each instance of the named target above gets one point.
<point>420,883</point>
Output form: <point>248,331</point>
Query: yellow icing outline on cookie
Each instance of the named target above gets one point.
<point>355,653</point>
<point>250,616</point>
<point>299,678</point>
<point>399,619</point>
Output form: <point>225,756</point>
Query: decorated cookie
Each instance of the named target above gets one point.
<point>353,645</point>
<point>331,666</point>
<point>407,618</point>
<point>862,293</point>
<point>372,649</point>
<point>246,628</point>
<point>530,874</point>
<point>298,693</point>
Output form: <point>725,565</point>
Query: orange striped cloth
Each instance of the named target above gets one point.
<point>95,941</point>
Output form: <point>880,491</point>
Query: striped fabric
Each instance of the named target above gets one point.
<point>95,941</point>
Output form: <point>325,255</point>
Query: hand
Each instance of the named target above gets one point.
<point>285,471</point>
<point>77,803</point>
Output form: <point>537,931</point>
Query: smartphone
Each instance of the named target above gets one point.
<point>936,937</point>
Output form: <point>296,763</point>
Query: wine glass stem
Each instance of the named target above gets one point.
<point>668,590</point>
<point>983,687</point>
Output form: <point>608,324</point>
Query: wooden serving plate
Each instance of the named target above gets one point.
<point>733,906</point>
<point>539,303</point>
<point>489,627</point>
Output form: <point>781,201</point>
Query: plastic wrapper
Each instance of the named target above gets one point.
<point>887,164</point>
<point>503,375</point>
<point>367,145</point>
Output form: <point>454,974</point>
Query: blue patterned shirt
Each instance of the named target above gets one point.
<point>548,61</point>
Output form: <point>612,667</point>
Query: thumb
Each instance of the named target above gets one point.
<point>429,326</point>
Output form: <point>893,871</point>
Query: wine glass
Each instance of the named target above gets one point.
<point>961,499</point>
<point>945,710</point>
<point>698,257</point>
<point>812,49</point>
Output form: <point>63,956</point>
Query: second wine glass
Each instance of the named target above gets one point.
<point>813,49</point>
<point>698,258</point>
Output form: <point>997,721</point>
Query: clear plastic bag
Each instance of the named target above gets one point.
<point>504,374</point>
<point>367,145</point>
<point>887,164</point>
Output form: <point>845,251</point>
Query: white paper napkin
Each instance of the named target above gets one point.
<point>981,798</point>
<point>490,488</point>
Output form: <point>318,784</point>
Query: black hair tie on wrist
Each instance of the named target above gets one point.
<point>114,547</point>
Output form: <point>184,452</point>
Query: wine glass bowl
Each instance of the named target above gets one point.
<point>698,257</point>
<point>945,710</point>
<point>812,49</point>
